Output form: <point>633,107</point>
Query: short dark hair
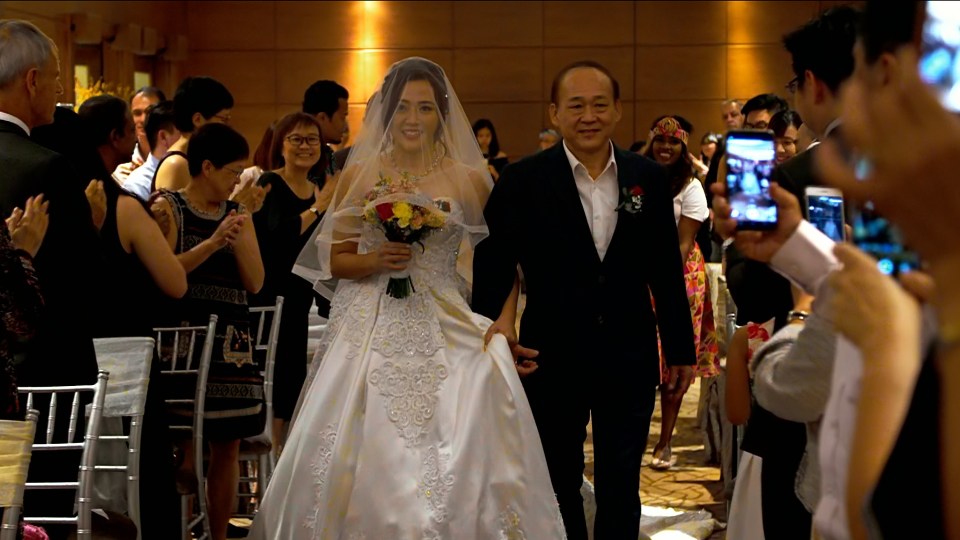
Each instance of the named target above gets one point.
<point>825,46</point>
<point>203,95</point>
<point>494,141</point>
<point>101,116</point>
<point>324,97</point>
<point>555,87</point>
<point>885,26</point>
<point>784,119</point>
<point>217,143</point>
<point>764,102</point>
<point>159,116</point>
<point>150,91</point>
<point>283,128</point>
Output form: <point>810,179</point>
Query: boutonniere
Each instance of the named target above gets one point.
<point>632,199</point>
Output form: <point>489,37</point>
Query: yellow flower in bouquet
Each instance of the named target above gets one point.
<point>403,212</point>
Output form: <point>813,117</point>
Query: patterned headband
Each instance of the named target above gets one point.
<point>669,127</point>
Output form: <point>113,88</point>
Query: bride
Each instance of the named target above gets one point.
<point>410,428</point>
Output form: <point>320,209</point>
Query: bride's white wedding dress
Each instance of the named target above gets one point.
<point>410,429</point>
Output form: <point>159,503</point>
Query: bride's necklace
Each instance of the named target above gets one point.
<point>436,161</point>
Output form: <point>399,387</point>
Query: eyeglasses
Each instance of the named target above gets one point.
<point>225,118</point>
<point>297,140</point>
<point>234,172</point>
<point>759,125</point>
<point>793,85</point>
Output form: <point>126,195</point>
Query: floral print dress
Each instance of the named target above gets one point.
<point>21,306</point>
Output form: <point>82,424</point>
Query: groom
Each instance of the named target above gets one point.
<point>592,228</point>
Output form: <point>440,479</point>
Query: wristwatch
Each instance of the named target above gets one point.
<point>796,315</point>
<point>315,212</point>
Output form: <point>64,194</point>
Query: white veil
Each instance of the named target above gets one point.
<point>414,129</point>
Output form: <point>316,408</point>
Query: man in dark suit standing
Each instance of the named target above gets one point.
<point>592,229</point>
<point>62,352</point>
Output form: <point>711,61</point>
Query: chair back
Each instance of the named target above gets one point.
<point>16,440</point>
<point>266,340</point>
<point>83,484</point>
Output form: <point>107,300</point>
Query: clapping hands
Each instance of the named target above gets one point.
<point>229,230</point>
<point>28,227</point>
<point>251,196</point>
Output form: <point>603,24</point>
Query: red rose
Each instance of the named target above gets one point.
<point>636,190</point>
<point>385,211</point>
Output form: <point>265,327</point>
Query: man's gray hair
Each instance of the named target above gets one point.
<point>22,47</point>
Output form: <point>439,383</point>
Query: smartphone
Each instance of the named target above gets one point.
<point>875,235</point>
<point>940,50</point>
<point>825,211</point>
<point>750,156</point>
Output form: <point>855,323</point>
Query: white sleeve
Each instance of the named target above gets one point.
<point>693,202</point>
<point>806,258</point>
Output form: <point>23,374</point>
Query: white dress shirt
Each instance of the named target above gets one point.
<point>599,197</point>
<point>13,119</point>
<point>141,179</point>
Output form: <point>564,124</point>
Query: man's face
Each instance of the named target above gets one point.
<point>45,91</point>
<point>586,112</point>
<point>757,119</point>
<point>138,107</point>
<point>335,126</point>
<point>731,115</point>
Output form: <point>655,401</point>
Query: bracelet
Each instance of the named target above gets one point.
<point>797,315</point>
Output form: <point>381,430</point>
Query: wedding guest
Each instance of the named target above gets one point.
<point>21,299</point>
<point>162,133</point>
<point>806,138</point>
<point>62,351</point>
<point>708,147</point>
<point>261,158</point>
<point>290,213</point>
<point>327,101</point>
<point>731,115</point>
<point>141,100</point>
<point>142,267</point>
<point>215,242</point>
<point>486,136</point>
<point>785,126</point>
<point>548,138</point>
<point>758,110</point>
<point>198,101</point>
<point>669,136</point>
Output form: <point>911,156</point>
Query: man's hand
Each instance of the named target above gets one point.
<point>251,197</point>
<point>97,198</point>
<point>680,379</point>
<point>123,171</point>
<point>507,329</point>
<point>28,227</point>
<point>756,245</point>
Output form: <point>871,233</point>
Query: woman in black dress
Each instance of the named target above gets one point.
<point>214,239</point>
<point>291,211</point>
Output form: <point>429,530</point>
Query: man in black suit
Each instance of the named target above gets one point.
<point>593,231</point>
<point>822,53</point>
<point>62,353</point>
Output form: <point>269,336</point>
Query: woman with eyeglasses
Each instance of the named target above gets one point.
<point>214,239</point>
<point>291,211</point>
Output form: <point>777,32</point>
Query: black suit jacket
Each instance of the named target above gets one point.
<point>581,309</point>
<point>758,291</point>
<point>67,263</point>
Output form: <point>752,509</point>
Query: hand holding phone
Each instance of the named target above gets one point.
<point>750,160</point>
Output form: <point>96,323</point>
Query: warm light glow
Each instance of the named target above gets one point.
<point>369,67</point>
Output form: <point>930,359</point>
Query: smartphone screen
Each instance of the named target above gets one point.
<point>750,159</point>
<point>940,51</point>
<point>875,235</point>
<point>825,212</point>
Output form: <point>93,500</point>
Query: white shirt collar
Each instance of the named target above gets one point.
<point>13,119</point>
<point>832,126</point>
<point>574,162</point>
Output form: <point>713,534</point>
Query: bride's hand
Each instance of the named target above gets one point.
<point>392,256</point>
<point>521,355</point>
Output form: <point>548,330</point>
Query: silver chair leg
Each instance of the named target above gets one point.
<point>11,520</point>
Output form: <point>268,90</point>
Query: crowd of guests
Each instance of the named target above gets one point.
<point>132,214</point>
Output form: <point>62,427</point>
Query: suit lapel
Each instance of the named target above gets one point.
<point>10,127</point>
<point>564,187</point>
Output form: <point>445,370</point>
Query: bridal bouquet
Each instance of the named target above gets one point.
<point>401,221</point>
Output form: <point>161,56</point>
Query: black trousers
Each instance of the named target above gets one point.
<point>564,395</point>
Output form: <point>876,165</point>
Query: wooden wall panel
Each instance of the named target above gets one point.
<point>517,124</point>
<point>410,25</point>
<point>319,25</point>
<point>681,23</point>
<point>251,121</point>
<point>497,24</point>
<point>766,22</point>
<point>680,72</point>
<point>248,86</point>
<point>588,24</point>
<point>619,60</point>
<point>757,69</point>
<point>498,74</point>
<point>231,26</point>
